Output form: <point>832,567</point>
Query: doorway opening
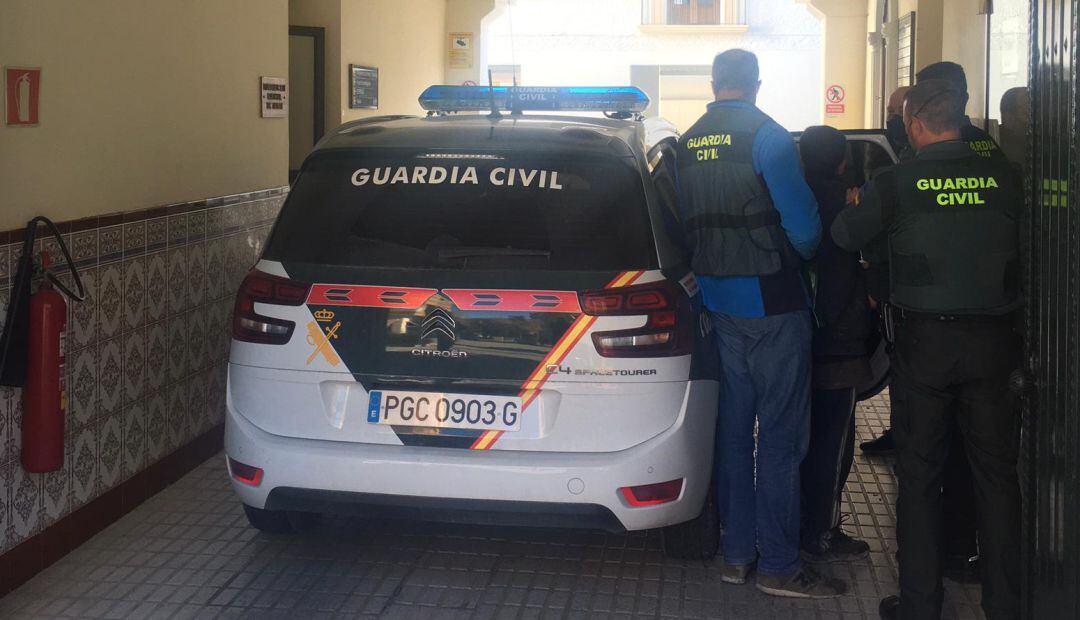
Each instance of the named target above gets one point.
<point>307,68</point>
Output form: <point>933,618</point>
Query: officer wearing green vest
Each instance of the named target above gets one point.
<point>951,216</point>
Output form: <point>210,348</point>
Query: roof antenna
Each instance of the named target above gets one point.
<point>491,97</point>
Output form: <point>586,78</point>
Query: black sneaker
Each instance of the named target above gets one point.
<point>889,609</point>
<point>803,583</point>
<point>835,546</point>
<point>882,446</point>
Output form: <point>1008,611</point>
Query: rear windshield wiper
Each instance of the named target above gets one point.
<point>467,252</point>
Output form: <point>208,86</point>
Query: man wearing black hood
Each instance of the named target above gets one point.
<point>840,359</point>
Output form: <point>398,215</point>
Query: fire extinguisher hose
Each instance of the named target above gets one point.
<point>31,231</point>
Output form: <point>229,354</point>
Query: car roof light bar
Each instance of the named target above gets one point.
<point>444,98</point>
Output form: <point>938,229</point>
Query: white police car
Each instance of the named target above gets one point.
<point>483,318</point>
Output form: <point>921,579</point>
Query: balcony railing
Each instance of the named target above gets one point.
<point>680,13</point>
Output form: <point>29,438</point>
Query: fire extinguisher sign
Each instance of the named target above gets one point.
<point>22,94</point>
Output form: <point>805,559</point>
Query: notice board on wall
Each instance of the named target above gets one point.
<point>363,87</point>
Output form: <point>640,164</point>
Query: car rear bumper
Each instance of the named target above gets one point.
<point>411,481</point>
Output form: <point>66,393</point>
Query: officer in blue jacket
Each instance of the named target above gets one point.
<point>750,221</point>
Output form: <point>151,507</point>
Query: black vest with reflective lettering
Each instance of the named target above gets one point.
<point>731,225</point>
<point>953,231</point>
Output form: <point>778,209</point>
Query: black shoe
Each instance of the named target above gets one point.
<point>962,569</point>
<point>803,583</point>
<point>835,546</point>
<point>889,609</point>
<point>882,446</point>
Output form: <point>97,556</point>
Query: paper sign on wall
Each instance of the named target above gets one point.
<point>275,97</point>
<point>22,87</point>
<point>460,54</point>
<point>834,100</point>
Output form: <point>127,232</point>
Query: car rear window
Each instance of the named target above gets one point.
<point>385,208</point>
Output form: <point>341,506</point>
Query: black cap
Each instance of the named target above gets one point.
<point>823,149</point>
<point>945,70</point>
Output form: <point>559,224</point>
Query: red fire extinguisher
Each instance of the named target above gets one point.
<point>45,395</point>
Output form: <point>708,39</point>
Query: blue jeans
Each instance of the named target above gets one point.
<point>764,376</point>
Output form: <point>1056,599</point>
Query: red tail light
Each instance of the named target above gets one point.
<point>248,474</point>
<point>259,287</point>
<point>652,494</point>
<point>668,330</point>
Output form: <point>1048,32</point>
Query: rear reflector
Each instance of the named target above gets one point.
<point>247,474</point>
<point>652,494</point>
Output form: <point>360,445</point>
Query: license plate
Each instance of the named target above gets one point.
<point>440,410</point>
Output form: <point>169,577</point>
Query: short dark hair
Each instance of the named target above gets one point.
<point>735,69</point>
<point>945,70</point>
<point>822,149</point>
<point>937,103</point>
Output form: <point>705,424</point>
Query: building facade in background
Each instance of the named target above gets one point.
<point>665,47</point>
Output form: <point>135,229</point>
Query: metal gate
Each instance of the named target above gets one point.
<point>1051,438</point>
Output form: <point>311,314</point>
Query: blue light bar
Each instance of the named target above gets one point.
<point>535,98</point>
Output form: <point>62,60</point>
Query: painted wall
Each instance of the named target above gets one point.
<point>551,37</point>
<point>141,104</point>
<point>966,44</point>
<point>405,39</point>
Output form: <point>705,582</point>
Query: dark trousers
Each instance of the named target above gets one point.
<point>958,501</point>
<point>828,460</point>
<point>945,373</point>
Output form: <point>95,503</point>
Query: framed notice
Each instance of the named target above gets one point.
<point>274,94</point>
<point>363,87</point>
<point>460,52</point>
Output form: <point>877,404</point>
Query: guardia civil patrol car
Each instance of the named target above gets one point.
<point>481,316</point>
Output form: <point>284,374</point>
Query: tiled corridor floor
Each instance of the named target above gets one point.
<point>188,552</point>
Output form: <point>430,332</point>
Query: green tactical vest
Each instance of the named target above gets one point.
<point>731,225</point>
<point>954,234</point>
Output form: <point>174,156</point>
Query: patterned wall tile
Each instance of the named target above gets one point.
<point>157,286</point>
<point>8,410</point>
<point>135,238</point>
<point>134,310</point>
<point>25,517</point>
<point>195,327</point>
<point>110,299</point>
<point>84,466</point>
<point>157,356</point>
<point>196,403</point>
<point>7,471</point>
<point>110,448</point>
<point>110,374</point>
<point>196,274</point>
<point>7,269</point>
<point>216,394</point>
<point>110,243</point>
<point>179,429</point>
<point>176,280</point>
<point>178,347</point>
<point>196,226</point>
<point>83,387</point>
<point>134,359</point>
<point>84,245</point>
<point>56,492</point>
<point>14,404</point>
<point>157,233</point>
<point>215,222</point>
<point>84,314</point>
<point>134,441</point>
<point>214,269</point>
<point>157,419</point>
<point>178,229</point>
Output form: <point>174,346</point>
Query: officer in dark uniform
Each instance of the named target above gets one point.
<point>951,215</point>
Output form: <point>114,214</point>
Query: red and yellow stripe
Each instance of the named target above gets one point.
<point>530,390</point>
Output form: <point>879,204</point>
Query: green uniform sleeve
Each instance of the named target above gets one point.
<point>857,225</point>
